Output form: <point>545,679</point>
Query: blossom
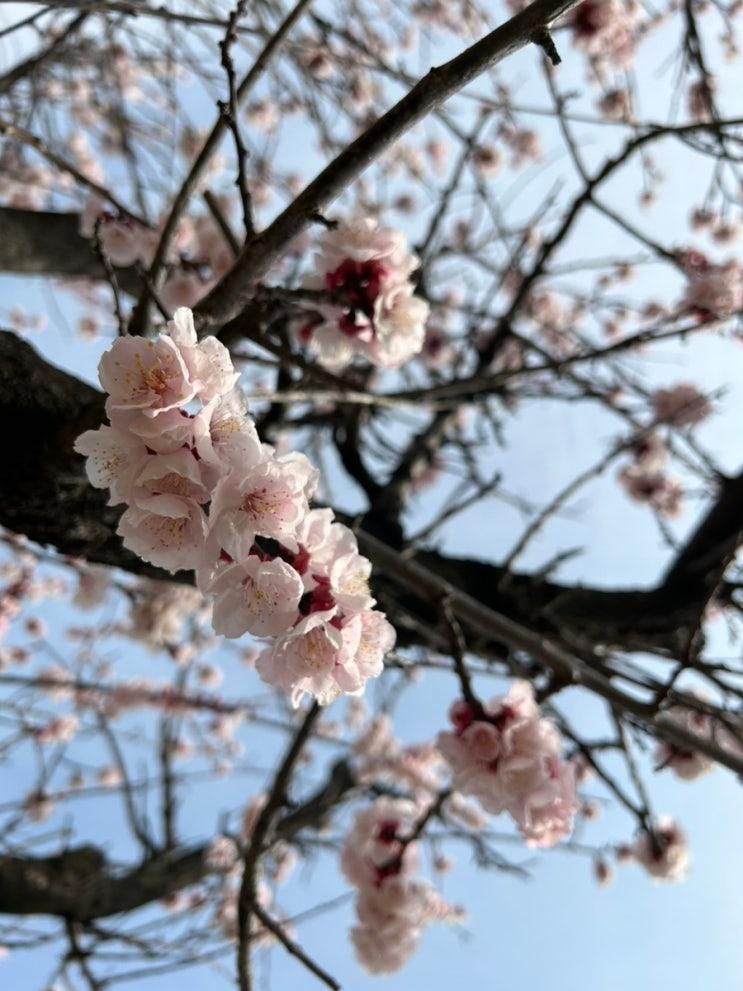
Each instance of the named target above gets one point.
<point>93,582</point>
<point>306,660</point>
<point>165,433</point>
<point>400,327</point>
<point>606,30</point>
<point>202,493</point>
<point>325,655</point>
<point>164,481</point>
<point>700,99</point>
<point>380,756</point>
<point>649,451</point>
<point>269,499</point>
<point>221,854</point>
<point>508,757</point>
<point>682,405</point>
<point>60,729</point>
<point>224,435</point>
<point>113,459</point>
<point>392,906</point>
<point>616,104</point>
<point>150,375</point>
<point>173,541</point>
<point>159,610</point>
<point>664,854</point>
<point>208,361</point>
<point>124,242</point>
<point>370,309</point>
<point>258,597</point>
<point>349,579</point>
<point>487,160</point>
<point>686,764</point>
<point>713,290</point>
<point>662,493</point>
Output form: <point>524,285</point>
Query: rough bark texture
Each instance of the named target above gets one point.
<point>80,885</point>
<point>42,242</point>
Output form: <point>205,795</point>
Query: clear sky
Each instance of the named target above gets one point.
<point>556,931</point>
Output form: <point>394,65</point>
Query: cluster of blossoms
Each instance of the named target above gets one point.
<point>371,309</point>
<point>645,479</point>
<point>180,440</point>
<point>392,905</point>
<point>21,586</point>
<point>508,757</point>
<point>200,253</point>
<point>712,290</point>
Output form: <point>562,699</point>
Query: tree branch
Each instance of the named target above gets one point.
<point>233,291</point>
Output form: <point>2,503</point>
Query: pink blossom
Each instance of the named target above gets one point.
<point>61,729</point>
<point>150,375</point>
<point>365,269</point>
<point>269,499</point>
<point>662,493</point>
<point>686,764</point>
<point>165,481</point>
<point>349,579</point>
<point>649,451</point>
<point>487,160</point>
<point>272,567</point>
<point>162,434</point>
<point>616,104</point>
<point>221,854</point>
<point>602,872</point>
<point>699,98</point>
<point>38,806</point>
<point>113,459</point>
<point>224,434</point>
<point>305,661</point>
<point>392,906</point>
<point>123,241</point>
<point>93,582</point>
<point>400,327</point>
<point>257,597</point>
<point>509,758</point>
<point>208,361</point>
<point>174,541</point>
<point>606,30</point>
<point>682,405</point>
<point>381,757</point>
<point>376,637</point>
<point>156,616</point>
<point>713,290</point>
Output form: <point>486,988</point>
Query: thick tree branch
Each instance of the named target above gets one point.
<point>42,242</point>
<point>80,885</point>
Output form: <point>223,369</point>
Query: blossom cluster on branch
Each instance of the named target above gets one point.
<point>371,310</point>
<point>180,441</point>
<point>380,859</point>
<point>508,757</point>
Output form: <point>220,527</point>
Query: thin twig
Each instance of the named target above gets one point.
<point>292,947</point>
